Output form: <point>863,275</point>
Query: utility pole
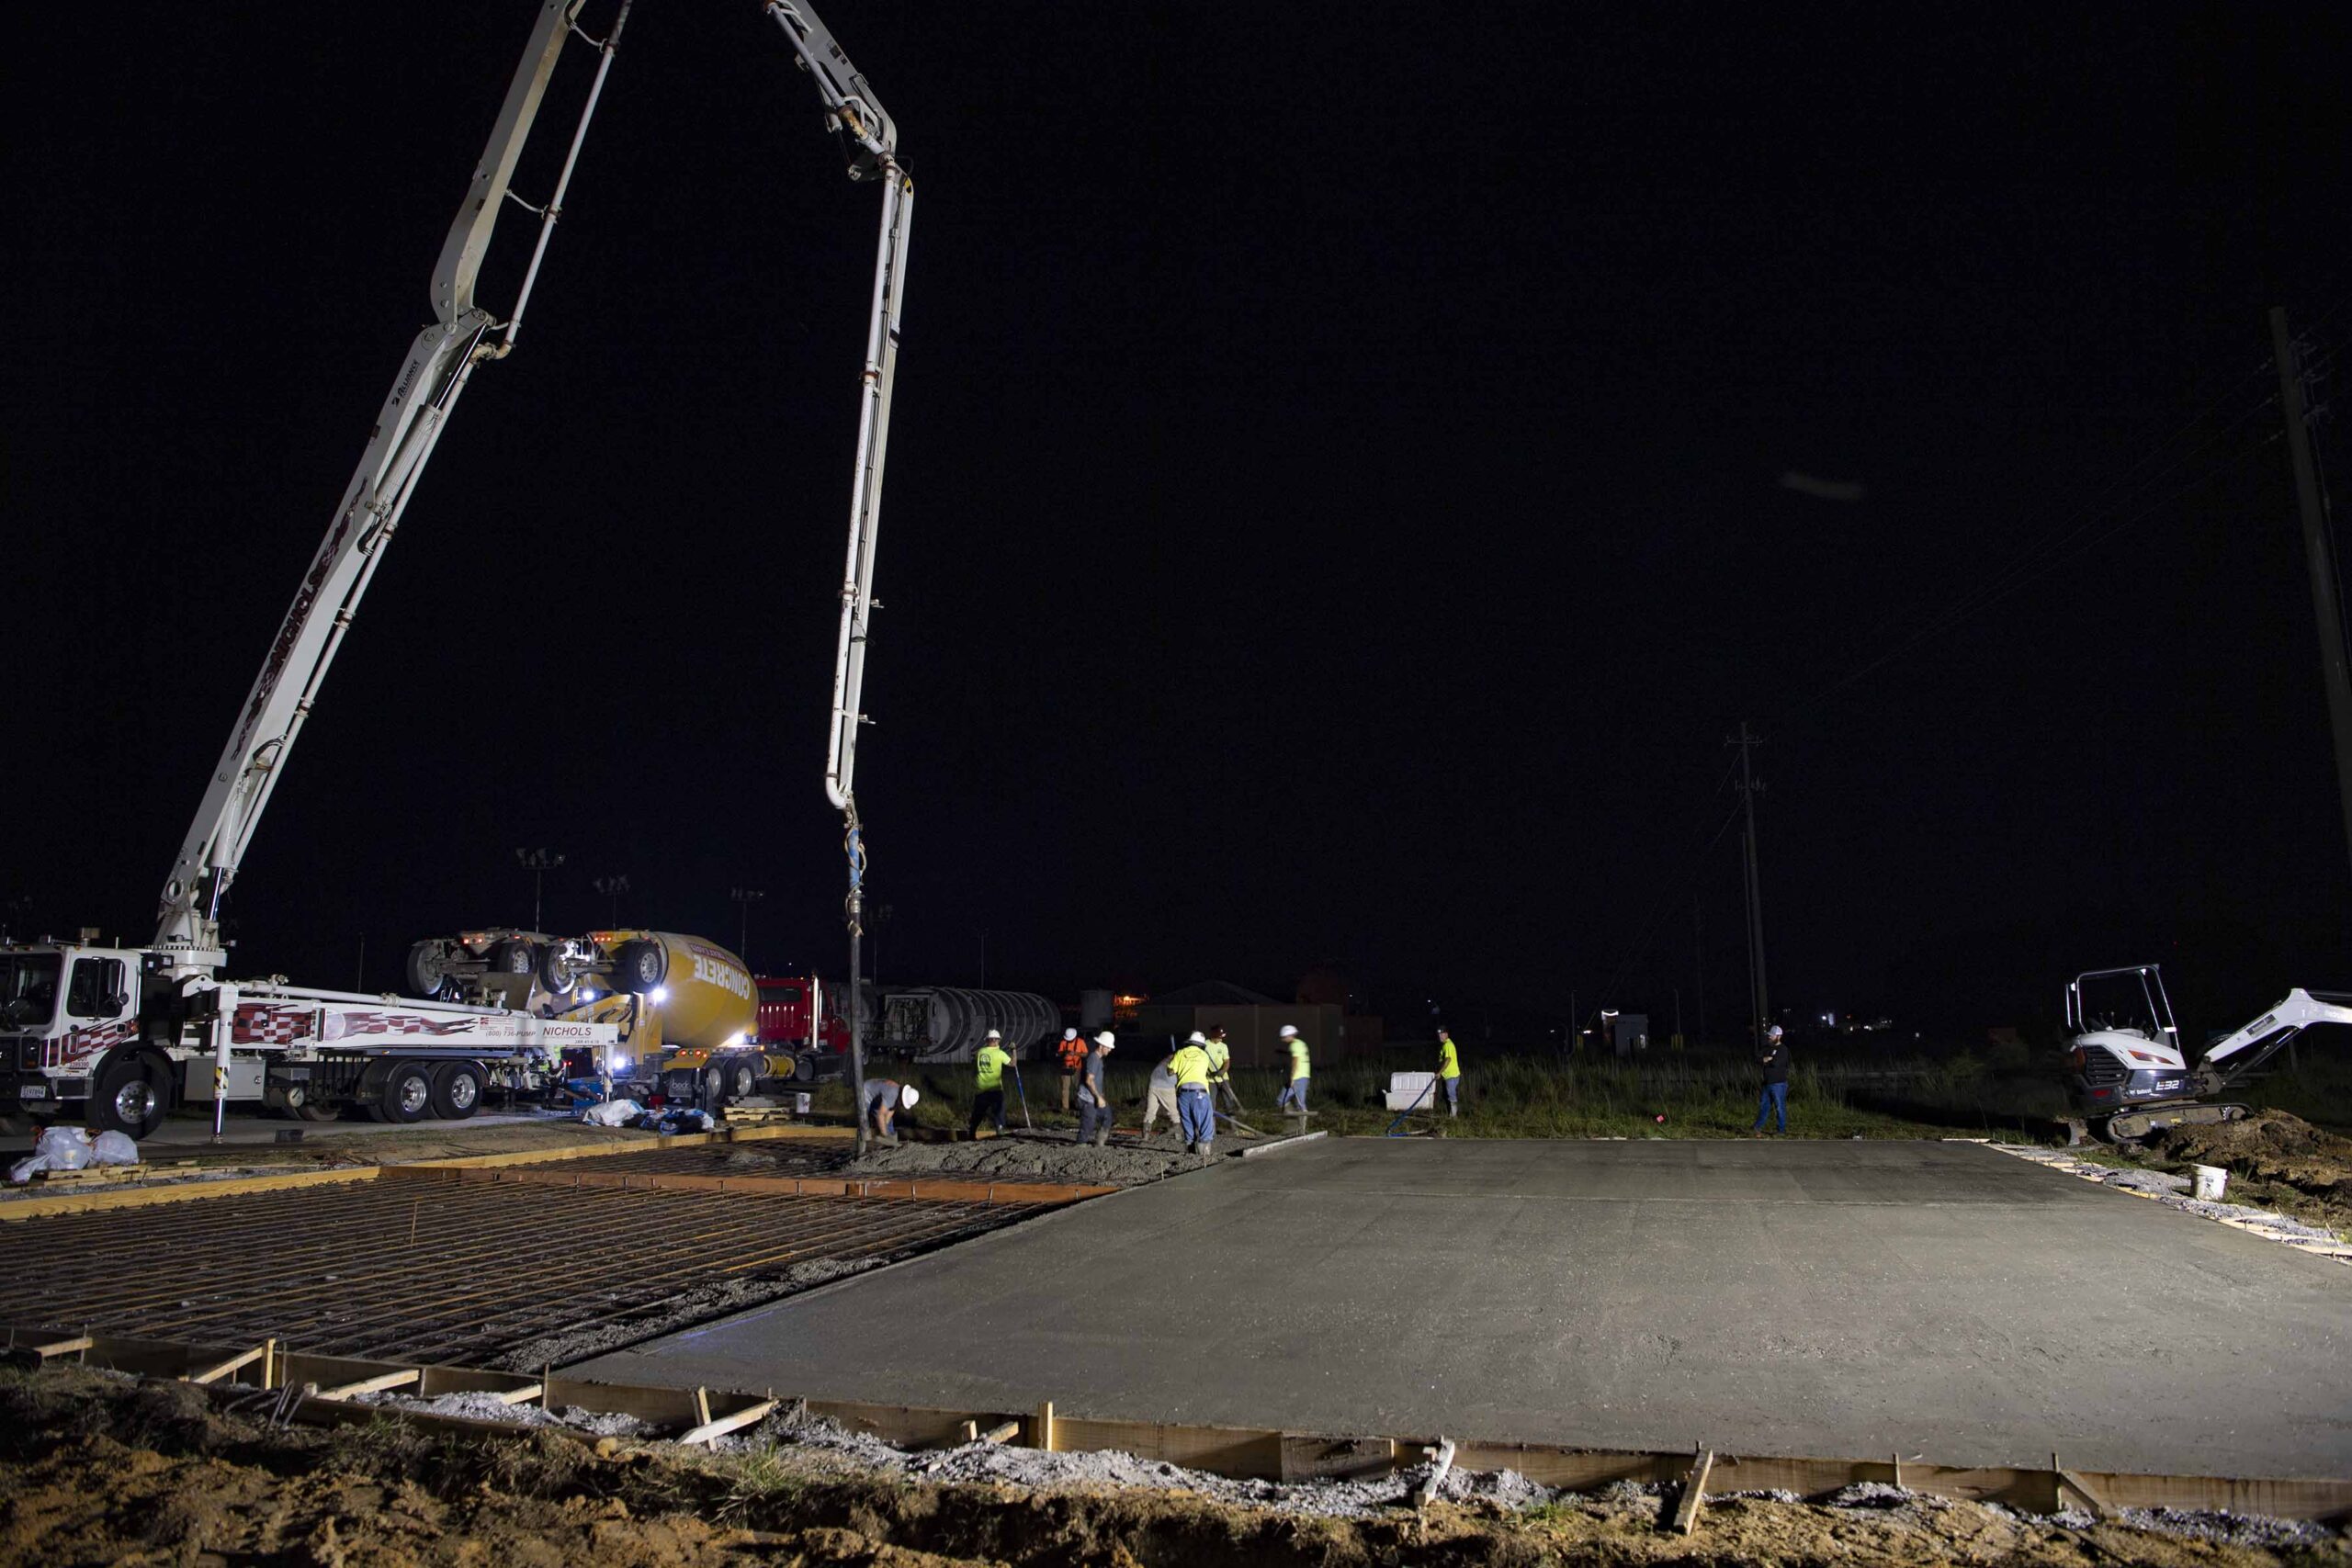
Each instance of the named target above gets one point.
<point>361,983</point>
<point>746,897</point>
<point>2311,500</point>
<point>612,887</point>
<point>538,863</point>
<point>1758,994</point>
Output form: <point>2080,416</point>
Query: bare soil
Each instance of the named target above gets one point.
<point>2276,1160</point>
<point>101,1470</point>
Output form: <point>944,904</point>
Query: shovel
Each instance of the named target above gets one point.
<point>1026,1125</point>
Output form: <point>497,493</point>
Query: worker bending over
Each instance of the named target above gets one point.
<point>883,1100</point>
<point>1159,1099</point>
<point>988,1082</point>
<point>1093,1100</point>
<point>1190,1065</point>
<point>1449,1072</point>
<point>1072,1052</point>
<point>1294,1096</point>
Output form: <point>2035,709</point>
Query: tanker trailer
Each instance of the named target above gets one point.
<point>940,1023</point>
<point>684,1006</point>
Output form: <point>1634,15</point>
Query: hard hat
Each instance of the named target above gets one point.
<point>908,1095</point>
<point>1774,1033</point>
<point>1108,1041</point>
<point>996,1034</point>
<point>1289,1031</point>
<point>1069,1033</point>
<point>1196,1038</point>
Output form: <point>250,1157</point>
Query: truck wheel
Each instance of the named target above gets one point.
<point>513,958</point>
<point>745,1080</point>
<point>639,966</point>
<point>714,1087</point>
<point>428,967</point>
<point>406,1094</point>
<point>129,1096</point>
<point>558,973</point>
<point>457,1090</point>
<point>804,1069</point>
<point>311,1110</point>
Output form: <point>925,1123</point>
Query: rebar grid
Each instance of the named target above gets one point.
<point>439,1272</point>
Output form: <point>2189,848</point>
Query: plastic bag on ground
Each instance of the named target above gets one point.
<point>612,1113</point>
<point>59,1148</point>
<point>114,1148</point>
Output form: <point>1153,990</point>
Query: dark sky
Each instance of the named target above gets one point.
<point>1334,514</point>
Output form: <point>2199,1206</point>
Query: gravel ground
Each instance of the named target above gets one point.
<point>480,1406</point>
<point>1046,1156</point>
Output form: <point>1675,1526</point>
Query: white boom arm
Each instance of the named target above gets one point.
<point>870,144</point>
<point>438,364</point>
<point>2227,1059</point>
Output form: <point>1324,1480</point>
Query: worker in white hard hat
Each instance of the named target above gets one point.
<point>1194,1111</point>
<point>1071,1051</point>
<point>884,1100</point>
<point>1294,1096</point>
<point>1093,1099</point>
<point>988,1082</point>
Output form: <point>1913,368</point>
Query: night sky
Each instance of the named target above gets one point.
<point>1336,508</point>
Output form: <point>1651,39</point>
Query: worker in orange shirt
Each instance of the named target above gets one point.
<point>1072,1053</point>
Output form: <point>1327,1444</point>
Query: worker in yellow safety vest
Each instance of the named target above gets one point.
<point>988,1082</point>
<point>1190,1065</point>
<point>1449,1072</point>
<point>1220,1071</point>
<point>1294,1096</point>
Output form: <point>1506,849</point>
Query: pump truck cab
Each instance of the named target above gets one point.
<point>117,1034</point>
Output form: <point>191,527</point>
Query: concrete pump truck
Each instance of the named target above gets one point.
<point>116,1035</point>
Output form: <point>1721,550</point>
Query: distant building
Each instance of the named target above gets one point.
<point>1252,1022</point>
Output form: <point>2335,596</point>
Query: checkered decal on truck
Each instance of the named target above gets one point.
<point>259,1024</point>
<point>343,1025</point>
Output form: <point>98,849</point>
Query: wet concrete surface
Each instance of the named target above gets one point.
<point>1851,1299</point>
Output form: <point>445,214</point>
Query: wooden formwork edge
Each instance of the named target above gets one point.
<point>182,1192</point>
<point>1235,1451</point>
<point>629,1145</point>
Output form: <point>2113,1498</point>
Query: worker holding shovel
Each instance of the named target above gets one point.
<point>988,1083</point>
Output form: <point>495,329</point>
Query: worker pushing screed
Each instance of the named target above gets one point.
<point>1449,1072</point>
<point>988,1083</point>
<point>1193,1110</point>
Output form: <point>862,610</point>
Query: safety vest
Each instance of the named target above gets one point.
<point>1220,1060</point>
<point>1191,1066</point>
<point>990,1064</point>
<point>1297,1058</point>
<point>1073,1054</point>
<point>1449,1061</point>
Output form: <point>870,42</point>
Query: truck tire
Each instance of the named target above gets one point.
<point>427,967</point>
<point>513,958</point>
<point>804,1069</point>
<point>743,1080</point>
<point>639,966</point>
<point>131,1096</point>
<point>714,1087</point>
<point>311,1110</point>
<point>556,969</point>
<point>406,1094</point>
<point>457,1090</point>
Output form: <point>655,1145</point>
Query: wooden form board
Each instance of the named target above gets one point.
<point>1237,1451</point>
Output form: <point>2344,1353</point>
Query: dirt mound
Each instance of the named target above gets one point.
<point>1045,1157</point>
<point>2275,1160</point>
<point>90,1475</point>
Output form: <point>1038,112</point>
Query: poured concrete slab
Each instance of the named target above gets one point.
<point>1789,1297</point>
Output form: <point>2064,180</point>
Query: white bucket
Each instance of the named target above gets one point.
<point>800,1104</point>
<point>2210,1179</point>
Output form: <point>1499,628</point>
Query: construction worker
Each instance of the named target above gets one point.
<point>1159,1099</point>
<point>1071,1050</point>
<point>988,1081</point>
<point>1294,1096</point>
<point>1191,1066</point>
<point>884,1100</point>
<point>1220,1070</point>
<point>1775,1098</point>
<point>1449,1072</point>
<point>1093,1100</point>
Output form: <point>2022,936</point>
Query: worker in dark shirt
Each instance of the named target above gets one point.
<point>1775,1098</point>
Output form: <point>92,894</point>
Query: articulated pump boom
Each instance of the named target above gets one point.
<point>119,1031</point>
